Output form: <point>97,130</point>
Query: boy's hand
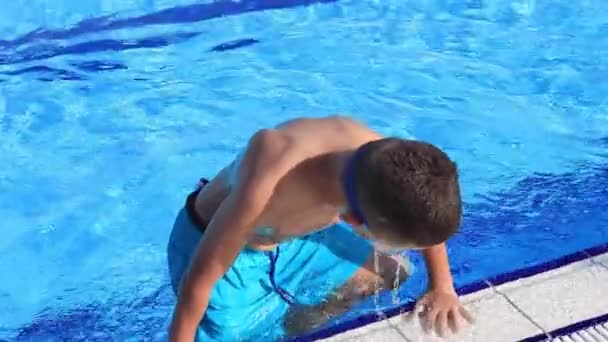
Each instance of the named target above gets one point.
<point>440,310</point>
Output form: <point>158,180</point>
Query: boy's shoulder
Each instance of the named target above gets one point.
<point>301,135</point>
<point>267,146</point>
<point>329,120</point>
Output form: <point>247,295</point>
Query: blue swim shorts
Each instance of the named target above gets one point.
<point>248,303</point>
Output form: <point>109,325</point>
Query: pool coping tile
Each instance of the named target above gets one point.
<point>359,332</point>
<point>572,295</point>
<point>485,308</point>
<point>389,334</point>
<point>570,261</point>
<point>601,259</point>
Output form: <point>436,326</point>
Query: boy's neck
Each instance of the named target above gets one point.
<point>333,183</point>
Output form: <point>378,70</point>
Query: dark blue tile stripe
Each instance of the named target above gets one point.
<point>467,289</point>
<point>597,250</point>
<point>536,269</point>
<point>567,330</point>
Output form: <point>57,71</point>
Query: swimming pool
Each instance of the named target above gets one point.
<point>109,114</point>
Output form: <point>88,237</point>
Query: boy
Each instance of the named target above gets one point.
<point>262,237</point>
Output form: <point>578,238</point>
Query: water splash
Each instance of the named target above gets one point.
<point>376,295</point>
<point>402,272</point>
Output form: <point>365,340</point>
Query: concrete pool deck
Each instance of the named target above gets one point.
<point>535,304</point>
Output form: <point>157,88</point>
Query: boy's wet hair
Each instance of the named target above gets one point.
<point>410,191</point>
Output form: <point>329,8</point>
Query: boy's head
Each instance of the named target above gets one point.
<point>404,192</point>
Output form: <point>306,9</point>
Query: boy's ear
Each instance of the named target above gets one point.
<point>350,219</point>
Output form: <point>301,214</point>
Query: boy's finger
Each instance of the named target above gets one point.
<point>419,308</point>
<point>422,301</point>
<point>408,316</point>
<point>429,320</point>
<point>455,320</point>
<point>441,324</point>
<point>467,315</point>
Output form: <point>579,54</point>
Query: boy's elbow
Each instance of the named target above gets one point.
<point>196,283</point>
<point>191,304</point>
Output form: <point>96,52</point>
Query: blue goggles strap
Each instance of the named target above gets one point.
<point>350,187</point>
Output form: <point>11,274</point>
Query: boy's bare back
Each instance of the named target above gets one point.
<point>294,155</point>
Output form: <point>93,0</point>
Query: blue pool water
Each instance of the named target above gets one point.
<point>109,114</point>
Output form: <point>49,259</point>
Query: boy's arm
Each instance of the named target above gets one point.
<point>438,267</point>
<point>223,239</point>
<point>226,234</point>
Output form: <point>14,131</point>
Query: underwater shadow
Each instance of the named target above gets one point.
<point>49,74</point>
<point>40,52</point>
<point>99,321</point>
<point>173,15</point>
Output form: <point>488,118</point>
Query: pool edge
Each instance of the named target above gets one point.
<point>497,280</point>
